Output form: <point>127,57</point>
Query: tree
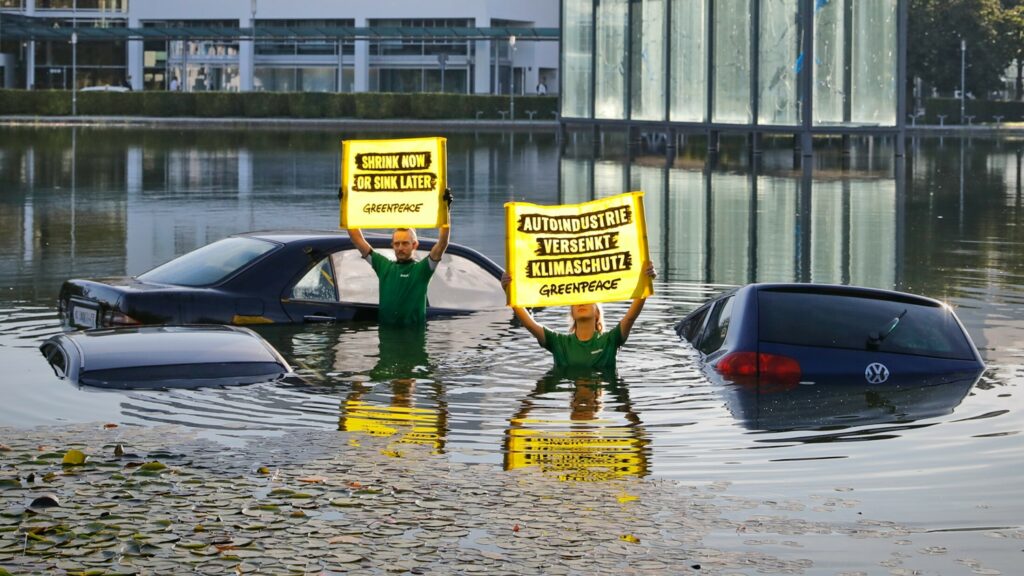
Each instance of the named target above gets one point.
<point>1013,34</point>
<point>936,28</point>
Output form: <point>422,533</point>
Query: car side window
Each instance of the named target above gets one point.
<point>357,282</point>
<point>461,284</point>
<point>689,329</point>
<point>317,284</point>
<point>717,327</point>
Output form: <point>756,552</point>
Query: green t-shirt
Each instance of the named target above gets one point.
<point>403,289</point>
<point>598,353</point>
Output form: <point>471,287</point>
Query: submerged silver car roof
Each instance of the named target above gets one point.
<point>165,345</point>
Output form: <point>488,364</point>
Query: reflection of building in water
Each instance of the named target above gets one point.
<point>593,444</point>
<point>718,227</point>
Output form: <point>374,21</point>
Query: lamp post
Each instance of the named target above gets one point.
<point>512,78</point>
<point>253,8</point>
<point>963,77</point>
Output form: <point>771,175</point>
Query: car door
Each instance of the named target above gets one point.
<point>315,297</point>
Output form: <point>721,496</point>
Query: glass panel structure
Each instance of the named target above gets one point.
<point>689,60</point>
<point>830,68</point>
<point>873,63</point>
<point>777,229</point>
<point>687,234</point>
<point>731,59</point>
<point>577,57</point>
<point>647,82</point>
<point>786,65</point>
<point>781,62</point>
<point>612,59</point>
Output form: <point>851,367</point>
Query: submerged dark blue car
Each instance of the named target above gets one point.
<point>784,337</point>
<point>273,277</point>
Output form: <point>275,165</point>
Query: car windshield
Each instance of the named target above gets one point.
<point>860,323</point>
<point>209,264</point>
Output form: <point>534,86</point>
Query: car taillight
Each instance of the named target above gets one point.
<point>115,318</point>
<point>763,369</point>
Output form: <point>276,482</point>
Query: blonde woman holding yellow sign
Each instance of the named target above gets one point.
<point>587,345</point>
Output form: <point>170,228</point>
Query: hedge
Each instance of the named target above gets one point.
<point>984,111</point>
<point>368,105</point>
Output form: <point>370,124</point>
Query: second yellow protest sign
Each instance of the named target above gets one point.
<point>394,183</point>
<point>590,252</point>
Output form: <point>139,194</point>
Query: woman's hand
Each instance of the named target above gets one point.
<point>506,279</point>
<point>650,271</point>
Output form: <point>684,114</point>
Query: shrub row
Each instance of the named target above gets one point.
<point>274,104</point>
<point>984,111</point>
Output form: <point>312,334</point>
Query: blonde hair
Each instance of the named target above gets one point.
<point>598,319</point>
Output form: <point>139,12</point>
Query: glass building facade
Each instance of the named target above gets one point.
<point>814,65</point>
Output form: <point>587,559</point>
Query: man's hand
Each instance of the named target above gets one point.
<point>650,271</point>
<point>506,280</point>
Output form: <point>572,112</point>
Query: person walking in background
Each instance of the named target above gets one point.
<point>175,86</point>
<point>542,88</point>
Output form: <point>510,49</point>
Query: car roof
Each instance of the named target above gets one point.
<point>843,290</point>
<point>106,349</point>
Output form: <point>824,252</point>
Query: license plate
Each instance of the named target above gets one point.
<point>83,317</point>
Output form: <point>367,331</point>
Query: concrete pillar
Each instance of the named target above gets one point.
<point>135,63</point>
<point>482,67</point>
<point>361,65</point>
<point>30,65</point>
<point>246,59</point>
<point>30,50</point>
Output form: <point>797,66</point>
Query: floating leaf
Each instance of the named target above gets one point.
<point>629,538</point>
<point>313,479</point>
<point>5,448</point>
<point>345,539</point>
<point>153,466</point>
<point>109,425</point>
<point>73,458</point>
<point>263,470</point>
<point>6,483</point>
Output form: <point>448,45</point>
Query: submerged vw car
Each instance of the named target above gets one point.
<point>273,277</point>
<point>780,337</point>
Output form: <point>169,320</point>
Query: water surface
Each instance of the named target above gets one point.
<point>946,223</point>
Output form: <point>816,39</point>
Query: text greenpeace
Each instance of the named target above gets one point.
<point>590,252</point>
<point>394,183</point>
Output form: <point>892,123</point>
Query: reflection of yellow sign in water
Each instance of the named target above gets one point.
<point>590,252</point>
<point>581,455</point>
<point>394,183</point>
<point>415,425</point>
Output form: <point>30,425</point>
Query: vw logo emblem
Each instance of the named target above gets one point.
<point>876,373</point>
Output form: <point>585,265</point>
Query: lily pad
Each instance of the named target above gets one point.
<point>73,458</point>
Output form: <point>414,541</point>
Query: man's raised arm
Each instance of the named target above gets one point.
<point>361,244</point>
<point>444,233</point>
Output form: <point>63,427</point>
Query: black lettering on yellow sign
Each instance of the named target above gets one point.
<point>592,222</point>
<point>393,161</point>
<point>585,287</point>
<point>392,208</point>
<point>547,246</point>
<point>582,266</point>
<point>405,182</point>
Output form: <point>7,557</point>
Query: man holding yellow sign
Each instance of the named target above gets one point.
<point>579,255</point>
<point>399,184</point>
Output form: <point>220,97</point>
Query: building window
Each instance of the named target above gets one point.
<point>732,62</point>
<point>689,59</point>
<point>781,63</point>
<point>612,54</point>
<point>873,63</point>
<point>577,56</point>
<point>648,60</point>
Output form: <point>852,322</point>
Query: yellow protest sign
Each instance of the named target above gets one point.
<point>394,183</point>
<point>573,253</point>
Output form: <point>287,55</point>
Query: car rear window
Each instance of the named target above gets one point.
<point>860,323</point>
<point>209,264</point>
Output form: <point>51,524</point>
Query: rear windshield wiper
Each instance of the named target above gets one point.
<point>876,338</point>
